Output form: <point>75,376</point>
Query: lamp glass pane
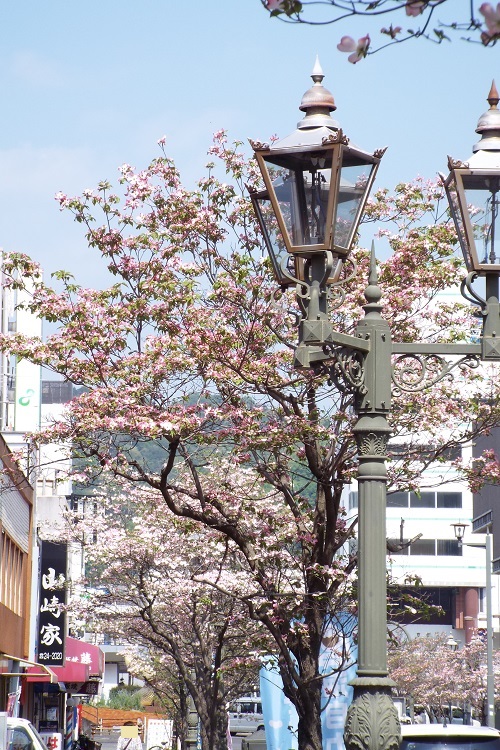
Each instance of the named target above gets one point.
<point>302,197</point>
<point>316,186</point>
<point>456,214</point>
<point>483,195</point>
<point>354,182</point>
<point>273,238</point>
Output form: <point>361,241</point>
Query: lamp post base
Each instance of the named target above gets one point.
<point>372,719</point>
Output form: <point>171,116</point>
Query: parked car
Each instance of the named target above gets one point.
<point>245,715</point>
<point>448,737</point>
<point>458,716</point>
<point>22,735</point>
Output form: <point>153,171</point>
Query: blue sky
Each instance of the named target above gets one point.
<point>88,86</point>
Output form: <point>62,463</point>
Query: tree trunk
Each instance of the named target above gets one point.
<point>309,710</point>
<point>182,717</point>
<point>306,697</point>
<point>214,728</point>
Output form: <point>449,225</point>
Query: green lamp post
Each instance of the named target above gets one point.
<point>316,184</point>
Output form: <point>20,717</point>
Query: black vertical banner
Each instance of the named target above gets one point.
<point>51,633</point>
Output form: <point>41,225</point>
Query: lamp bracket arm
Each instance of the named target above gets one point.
<point>346,341</point>
<point>328,267</point>
<point>438,349</point>
<point>302,303</point>
<point>336,289</point>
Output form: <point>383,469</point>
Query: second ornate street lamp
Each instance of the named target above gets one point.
<point>473,190</point>
<point>316,185</point>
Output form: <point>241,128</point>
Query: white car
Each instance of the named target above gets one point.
<point>448,737</point>
<point>245,715</point>
<point>22,735</point>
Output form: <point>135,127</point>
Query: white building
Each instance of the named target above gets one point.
<point>453,575</point>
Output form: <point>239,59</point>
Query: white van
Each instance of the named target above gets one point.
<point>245,715</point>
<point>22,735</point>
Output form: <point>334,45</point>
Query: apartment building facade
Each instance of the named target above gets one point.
<point>422,542</point>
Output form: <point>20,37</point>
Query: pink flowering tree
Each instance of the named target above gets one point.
<point>426,670</point>
<point>165,588</point>
<point>403,20</point>
<point>190,349</point>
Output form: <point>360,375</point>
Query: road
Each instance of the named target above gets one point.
<point>109,741</point>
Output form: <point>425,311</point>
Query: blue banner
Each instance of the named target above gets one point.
<point>280,717</point>
<point>339,649</point>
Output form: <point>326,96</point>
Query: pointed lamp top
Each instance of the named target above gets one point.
<point>488,125</point>
<point>493,97</point>
<point>317,102</point>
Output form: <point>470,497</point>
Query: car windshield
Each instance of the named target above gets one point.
<point>451,743</point>
<point>18,738</point>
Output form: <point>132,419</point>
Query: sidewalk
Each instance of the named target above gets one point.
<point>108,739</point>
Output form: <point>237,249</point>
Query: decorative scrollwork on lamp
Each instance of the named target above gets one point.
<point>346,371</point>
<point>412,373</point>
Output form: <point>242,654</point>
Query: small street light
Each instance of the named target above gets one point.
<point>316,184</point>
<point>459,529</point>
<point>452,643</point>
<point>490,674</point>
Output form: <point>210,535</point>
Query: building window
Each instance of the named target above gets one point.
<point>441,547</point>
<point>423,547</point>
<point>482,599</point>
<point>12,580</point>
<point>422,500</point>
<point>353,500</point>
<point>397,500</point>
<point>449,547</point>
<point>56,392</point>
<point>449,499</point>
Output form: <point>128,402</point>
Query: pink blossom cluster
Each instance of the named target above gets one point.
<point>492,20</point>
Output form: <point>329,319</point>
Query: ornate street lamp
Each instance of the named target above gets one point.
<point>490,673</point>
<point>316,183</point>
<point>316,187</point>
<point>473,190</point>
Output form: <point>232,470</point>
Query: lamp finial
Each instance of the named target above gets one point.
<point>317,102</point>
<point>493,97</point>
<point>488,125</point>
<point>317,75</point>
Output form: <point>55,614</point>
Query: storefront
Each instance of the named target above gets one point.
<point>16,522</point>
<point>54,711</point>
